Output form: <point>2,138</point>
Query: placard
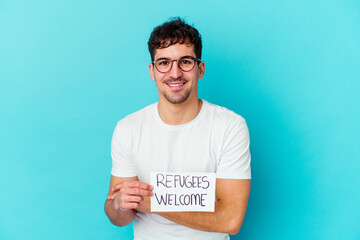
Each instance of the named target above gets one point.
<point>180,192</point>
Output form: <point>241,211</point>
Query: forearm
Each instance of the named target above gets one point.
<point>229,212</point>
<point>125,195</point>
<point>117,216</point>
<point>223,219</point>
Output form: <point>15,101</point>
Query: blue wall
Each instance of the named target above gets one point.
<point>69,70</point>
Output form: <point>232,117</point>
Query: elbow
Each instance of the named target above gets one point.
<point>234,226</point>
<point>233,231</point>
<point>119,224</point>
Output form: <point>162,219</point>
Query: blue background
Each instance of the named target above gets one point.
<point>69,70</point>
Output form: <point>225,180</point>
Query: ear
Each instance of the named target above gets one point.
<point>151,71</point>
<point>201,69</point>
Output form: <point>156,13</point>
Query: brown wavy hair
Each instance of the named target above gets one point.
<point>176,30</point>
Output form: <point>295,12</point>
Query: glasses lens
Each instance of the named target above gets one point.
<point>186,63</point>
<point>163,65</point>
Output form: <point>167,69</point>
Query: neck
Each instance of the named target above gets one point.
<point>176,114</point>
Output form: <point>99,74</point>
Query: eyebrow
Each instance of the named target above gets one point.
<point>165,58</point>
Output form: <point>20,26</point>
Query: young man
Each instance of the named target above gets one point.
<point>180,133</point>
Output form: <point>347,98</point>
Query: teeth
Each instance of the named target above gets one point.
<point>174,85</point>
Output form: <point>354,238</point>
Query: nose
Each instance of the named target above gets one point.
<point>175,71</point>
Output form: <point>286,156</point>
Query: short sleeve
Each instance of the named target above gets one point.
<point>122,159</point>
<point>235,157</point>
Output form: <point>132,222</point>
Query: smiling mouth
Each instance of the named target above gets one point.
<point>175,84</point>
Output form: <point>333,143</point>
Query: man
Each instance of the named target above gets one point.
<point>180,133</point>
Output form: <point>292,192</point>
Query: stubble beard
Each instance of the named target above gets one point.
<point>176,97</point>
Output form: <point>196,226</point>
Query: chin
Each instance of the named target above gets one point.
<point>177,99</point>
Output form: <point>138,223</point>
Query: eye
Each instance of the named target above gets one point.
<point>186,61</point>
<point>163,62</point>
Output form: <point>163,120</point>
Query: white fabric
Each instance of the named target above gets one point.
<point>217,141</point>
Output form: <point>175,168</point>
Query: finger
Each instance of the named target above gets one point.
<point>117,187</point>
<point>133,184</point>
<point>127,197</point>
<point>136,191</point>
<point>130,205</point>
<point>132,198</point>
<point>111,197</point>
<point>138,184</point>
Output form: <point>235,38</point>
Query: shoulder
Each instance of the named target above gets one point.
<point>223,116</point>
<point>137,118</point>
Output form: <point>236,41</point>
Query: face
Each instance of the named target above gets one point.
<point>177,86</point>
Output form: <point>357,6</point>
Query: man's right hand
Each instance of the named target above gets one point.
<point>129,194</point>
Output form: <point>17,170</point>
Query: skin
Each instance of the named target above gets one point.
<point>186,109</point>
<point>179,105</point>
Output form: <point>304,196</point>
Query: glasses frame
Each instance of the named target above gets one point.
<point>177,61</point>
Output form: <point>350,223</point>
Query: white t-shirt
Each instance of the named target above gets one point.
<point>216,141</point>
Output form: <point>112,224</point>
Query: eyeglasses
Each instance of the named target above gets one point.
<point>185,63</point>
